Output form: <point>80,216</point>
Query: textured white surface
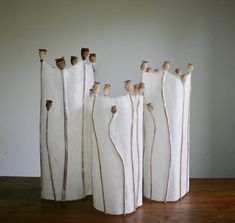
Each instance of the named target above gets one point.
<point>52,90</point>
<point>111,165</point>
<point>167,147</point>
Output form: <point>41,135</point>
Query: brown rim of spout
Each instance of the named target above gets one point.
<point>42,50</point>
<point>49,104</point>
<point>59,59</point>
<point>114,109</point>
<point>149,107</point>
<point>73,57</point>
<point>85,53</point>
<point>178,71</point>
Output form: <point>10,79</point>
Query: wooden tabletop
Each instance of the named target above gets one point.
<point>209,200</point>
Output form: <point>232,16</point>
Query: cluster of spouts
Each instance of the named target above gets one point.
<point>165,66</point>
<point>137,89</point>
<point>60,62</point>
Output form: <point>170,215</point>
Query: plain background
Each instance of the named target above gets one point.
<point>122,33</point>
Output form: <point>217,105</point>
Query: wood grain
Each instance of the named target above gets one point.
<point>210,200</point>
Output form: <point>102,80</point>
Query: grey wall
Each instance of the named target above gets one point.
<point>122,33</point>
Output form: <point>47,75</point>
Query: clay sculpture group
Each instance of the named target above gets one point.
<point>108,147</point>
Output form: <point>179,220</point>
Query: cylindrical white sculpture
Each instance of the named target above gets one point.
<point>68,161</point>
<point>117,153</point>
<point>166,159</point>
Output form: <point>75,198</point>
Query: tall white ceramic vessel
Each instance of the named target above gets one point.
<point>113,149</point>
<point>53,86</point>
<point>166,161</point>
